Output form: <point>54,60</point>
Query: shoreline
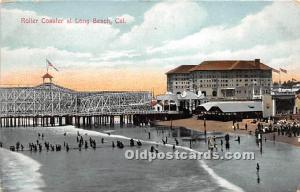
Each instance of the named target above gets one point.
<point>72,132</point>
<point>226,127</point>
<point>216,172</point>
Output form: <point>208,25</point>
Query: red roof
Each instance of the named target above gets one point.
<point>181,69</point>
<point>47,76</point>
<point>230,65</point>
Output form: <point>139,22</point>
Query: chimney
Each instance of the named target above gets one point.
<point>257,61</point>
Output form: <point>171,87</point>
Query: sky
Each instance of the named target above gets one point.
<point>157,36</point>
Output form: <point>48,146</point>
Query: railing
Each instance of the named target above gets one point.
<point>283,93</point>
<point>50,99</point>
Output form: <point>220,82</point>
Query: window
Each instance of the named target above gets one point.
<point>214,93</point>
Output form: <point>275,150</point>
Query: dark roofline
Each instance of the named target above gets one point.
<point>230,65</point>
<point>222,65</point>
<point>182,69</point>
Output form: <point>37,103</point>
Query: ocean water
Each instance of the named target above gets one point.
<point>106,169</point>
<point>19,172</point>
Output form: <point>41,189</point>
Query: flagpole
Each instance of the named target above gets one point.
<point>47,67</point>
<point>280,79</point>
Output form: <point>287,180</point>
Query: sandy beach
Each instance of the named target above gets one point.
<point>226,127</point>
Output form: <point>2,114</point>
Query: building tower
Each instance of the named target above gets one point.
<point>47,78</point>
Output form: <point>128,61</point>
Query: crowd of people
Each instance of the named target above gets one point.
<point>40,144</point>
<point>288,128</point>
<point>212,142</point>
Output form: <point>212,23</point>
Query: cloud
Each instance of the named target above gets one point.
<point>112,55</point>
<point>273,35</point>
<point>275,23</point>
<point>163,22</point>
<point>35,58</point>
<point>129,19</point>
<point>279,55</point>
<point>167,37</point>
<point>72,37</point>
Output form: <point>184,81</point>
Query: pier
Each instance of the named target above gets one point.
<point>49,104</point>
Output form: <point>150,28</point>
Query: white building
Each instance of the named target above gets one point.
<point>178,102</point>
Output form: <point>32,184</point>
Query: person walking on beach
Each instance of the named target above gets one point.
<point>238,139</point>
<point>18,145</point>
<point>79,146</point>
<point>210,144</point>
<point>257,172</point>
<point>139,143</point>
<point>85,144</point>
<point>176,141</point>
<point>131,142</point>
<point>222,145</point>
<point>227,137</point>
<point>152,149</point>
<point>227,145</point>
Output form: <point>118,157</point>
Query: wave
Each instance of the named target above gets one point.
<point>19,172</point>
<point>218,179</point>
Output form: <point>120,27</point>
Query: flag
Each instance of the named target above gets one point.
<point>275,71</point>
<point>51,65</point>
<point>294,79</point>
<point>283,70</point>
